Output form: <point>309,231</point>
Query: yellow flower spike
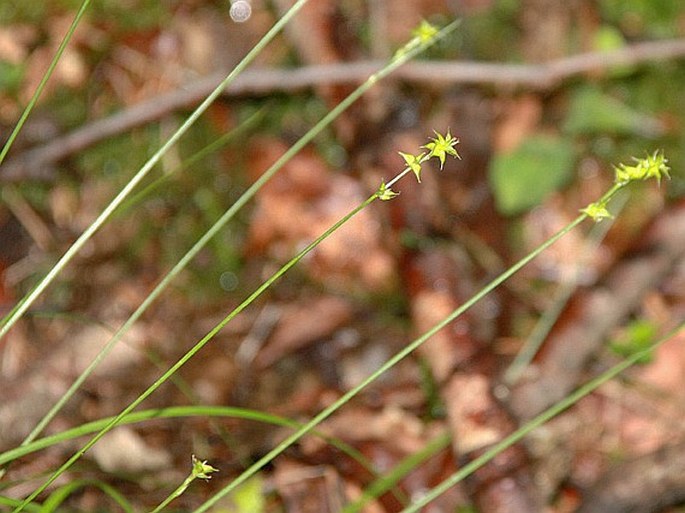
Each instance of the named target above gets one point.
<point>425,31</point>
<point>652,166</point>
<point>422,34</point>
<point>656,165</point>
<point>597,211</point>
<point>414,163</point>
<point>201,469</point>
<point>385,193</point>
<point>441,146</point>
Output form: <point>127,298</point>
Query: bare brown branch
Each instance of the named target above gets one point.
<point>36,163</point>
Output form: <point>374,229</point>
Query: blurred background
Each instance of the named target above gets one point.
<point>545,97</point>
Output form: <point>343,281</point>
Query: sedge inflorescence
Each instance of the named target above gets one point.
<point>651,166</point>
<point>439,147</point>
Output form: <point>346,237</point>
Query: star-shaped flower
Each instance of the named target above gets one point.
<point>414,163</point>
<point>385,193</point>
<point>652,166</point>
<point>441,146</point>
<point>597,211</point>
<point>201,469</point>
<point>425,31</point>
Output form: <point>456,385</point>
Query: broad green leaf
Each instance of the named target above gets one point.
<point>592,112</point>
<point>525,177</point>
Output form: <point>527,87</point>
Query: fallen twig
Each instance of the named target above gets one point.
<point>36,163</point>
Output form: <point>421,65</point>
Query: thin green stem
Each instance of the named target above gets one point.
<point>44,80</point>
<point>227,216</point>
<point>404,172</point>
<point>176,493</point>
<point>172,412</point>
<point>550,316</point>
<point>393,476</point>
<point>548,414</point>
<point>194,159</point>
<point>200,470</point>
<point>15,315</point>
<point>328,411</point>
<point>197,347</point>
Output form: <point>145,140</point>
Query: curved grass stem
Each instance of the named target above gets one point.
<point>9,321</point>
<point>412,346</point>
<point>44,80</point>
<point>226,217</point>
<point>538,421</point>
<point>345,398</point>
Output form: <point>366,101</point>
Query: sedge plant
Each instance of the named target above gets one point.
<point>652,166</point>
<point>424,36</point>
<point>439,147</point>
<point>8,321</point>
<point>116,204</point>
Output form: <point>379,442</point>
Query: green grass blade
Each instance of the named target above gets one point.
<point>220,223</point>
<point>548,414</point>
<point>62,493</point>
<point>44,80</point>
<point>34,507</point>
<point>328,411</point>
<point>171,413</point>
<point>9,321</point>
<point>182,412</point>
<point>393,477</point>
